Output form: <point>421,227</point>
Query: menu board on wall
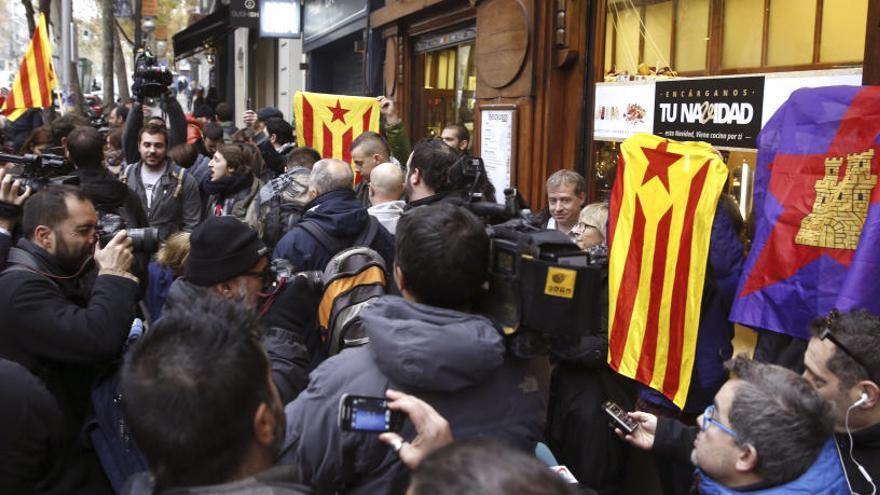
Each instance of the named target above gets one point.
<point>497,143</point>
<point>719,111</point>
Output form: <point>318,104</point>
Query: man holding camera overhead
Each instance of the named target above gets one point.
<point>67,306</point>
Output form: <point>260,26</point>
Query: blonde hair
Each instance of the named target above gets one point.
<point>596,216</point>
<point>173,252</point>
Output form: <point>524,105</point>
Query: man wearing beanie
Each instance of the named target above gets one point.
<point>228,260</point>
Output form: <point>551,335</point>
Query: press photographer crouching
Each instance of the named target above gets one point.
<point>67,306</point>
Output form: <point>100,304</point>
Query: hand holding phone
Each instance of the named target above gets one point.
<point>619,417</point>
<point>368,414</point>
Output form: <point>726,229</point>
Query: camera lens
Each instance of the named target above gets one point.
<point>144,240</point>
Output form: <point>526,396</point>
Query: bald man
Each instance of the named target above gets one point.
<point>367,151</point>
<point>336,220</point>
<point>386,188</point>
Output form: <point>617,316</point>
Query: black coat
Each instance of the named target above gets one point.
<point>866,450</point>
<point>63,331</point>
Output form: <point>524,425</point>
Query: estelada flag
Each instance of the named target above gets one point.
<point>35,79</point>
<point>329,123</point>
<point>660,220</point>
<point>817,211</point>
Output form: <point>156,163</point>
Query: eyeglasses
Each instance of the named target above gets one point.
<point>709,417</point>
<point>266,277</point>
<point>827,334</point>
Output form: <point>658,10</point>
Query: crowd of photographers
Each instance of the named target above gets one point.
<point>181,314</point>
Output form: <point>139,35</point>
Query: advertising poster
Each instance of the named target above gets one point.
<point>722,111</point>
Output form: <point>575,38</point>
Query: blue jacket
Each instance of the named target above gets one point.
<point>341,217</point>
<point>825,477</point>
<point>454,361</point>
<point>715,335</point>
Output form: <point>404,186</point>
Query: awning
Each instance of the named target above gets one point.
<point>201,34</point>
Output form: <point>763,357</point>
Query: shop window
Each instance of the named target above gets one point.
<point>791,32</point>
<point>843,31</point>
<point>751,35</point>
<point>742,34</point>
<point>446,82</point>
<point>691,35</point>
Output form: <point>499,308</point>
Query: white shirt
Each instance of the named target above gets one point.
<point>150,178</point>
<point>551,225</point>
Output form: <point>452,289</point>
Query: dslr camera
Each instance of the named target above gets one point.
<point>151,80</point>
<point>144,240</point>
<point>39,171</point>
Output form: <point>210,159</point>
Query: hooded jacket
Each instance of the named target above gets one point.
<point>452,360</point>
<point>388,213</point>
<point>341,217</point>
<point>824,477</point>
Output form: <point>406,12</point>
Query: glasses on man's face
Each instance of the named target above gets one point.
<point>266,278</point>
<point>709,417</point>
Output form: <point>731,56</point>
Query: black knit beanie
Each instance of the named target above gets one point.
<point>221,248</point>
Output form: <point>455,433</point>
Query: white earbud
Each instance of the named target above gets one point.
<point>862,400</point>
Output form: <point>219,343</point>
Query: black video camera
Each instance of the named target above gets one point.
<point>543,290</point>
<point>151,80</point>
<point>40,171</point>
<point>144,240</point>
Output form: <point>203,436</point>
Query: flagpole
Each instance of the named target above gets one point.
<point>66,52</point>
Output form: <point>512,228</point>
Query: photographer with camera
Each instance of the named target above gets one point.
<point>429,175</point>
<point>428,340</point>
<point>11,199</point>
<point>67,305</point>
<point>151,80</point>
<point>168,192</point>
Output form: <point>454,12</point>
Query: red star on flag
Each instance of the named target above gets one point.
<point>338,112</point>
<point>659,161</point>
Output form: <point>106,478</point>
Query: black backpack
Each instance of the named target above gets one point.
<point>279,219</point>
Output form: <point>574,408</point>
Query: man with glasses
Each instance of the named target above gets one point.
<point>766,430</point>
<point>842,363</point>
<point>66,306</point>
<point>228,260</point>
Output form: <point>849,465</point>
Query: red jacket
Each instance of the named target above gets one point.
<point>193,129</point>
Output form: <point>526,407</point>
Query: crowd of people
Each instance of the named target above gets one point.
<point>165,330</point>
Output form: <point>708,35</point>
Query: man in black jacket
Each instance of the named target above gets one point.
<point>843,364</point>
<point>84,147</point>
<point>428,174</point>
<point>229,261</point>
<point>66,311</point>
<point>227,423</point>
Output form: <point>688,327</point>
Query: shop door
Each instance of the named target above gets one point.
<point>445,81</point>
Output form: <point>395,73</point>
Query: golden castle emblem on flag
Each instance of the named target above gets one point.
<point>841,206</point>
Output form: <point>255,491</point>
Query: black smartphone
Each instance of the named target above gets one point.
<point>368,414</point>
<point>619,418</point>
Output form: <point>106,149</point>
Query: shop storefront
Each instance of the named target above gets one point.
<point>335,38</point>
<point>715,71</point>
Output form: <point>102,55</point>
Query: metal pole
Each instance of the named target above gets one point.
<point>66,52</point>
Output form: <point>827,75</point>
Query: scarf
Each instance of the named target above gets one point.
<point>228,185</point>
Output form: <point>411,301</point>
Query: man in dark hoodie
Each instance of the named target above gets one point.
<point>427,341</point>
<point>335,211</point>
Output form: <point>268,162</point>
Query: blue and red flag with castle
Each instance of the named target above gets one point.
<point>817,211</point>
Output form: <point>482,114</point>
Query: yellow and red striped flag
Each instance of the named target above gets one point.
<point>329,123</point>
<point>35,79</point>
<point>660,220</point>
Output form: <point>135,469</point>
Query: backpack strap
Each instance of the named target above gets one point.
<point>181,173</point>
<point>366,237</point>
<point>127,172</point>
<point>332,245</point>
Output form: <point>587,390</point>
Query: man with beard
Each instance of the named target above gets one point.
<point>228,261</point>
<point>226,426</point>
<point>66,312</point>
<point>169,194</point>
